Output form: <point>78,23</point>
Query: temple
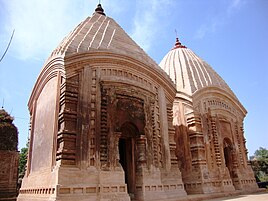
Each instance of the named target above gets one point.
<point>108,123</point>
<point>208,119</point>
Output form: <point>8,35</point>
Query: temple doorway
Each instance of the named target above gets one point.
<point>228,155</point>
<point>229,160</point>
<point>127,155</point>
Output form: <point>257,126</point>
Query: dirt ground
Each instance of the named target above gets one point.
<point>252,197</point>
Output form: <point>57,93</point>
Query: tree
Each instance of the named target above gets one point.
<point>259,164</point>
<point>23,160</point>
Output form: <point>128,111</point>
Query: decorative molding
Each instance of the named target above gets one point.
<point>43,191</point>
<point>67,122</point>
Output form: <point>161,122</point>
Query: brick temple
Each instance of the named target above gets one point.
<point>108,123</point>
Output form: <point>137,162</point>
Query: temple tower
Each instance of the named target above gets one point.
<point>101,121</point>
<point>208,119</point>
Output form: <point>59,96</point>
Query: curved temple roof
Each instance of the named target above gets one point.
<point>189,72</point>
<point>102,33</point>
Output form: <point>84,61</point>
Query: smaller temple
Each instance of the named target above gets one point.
<point>9,157</point>
<point>208,118</point>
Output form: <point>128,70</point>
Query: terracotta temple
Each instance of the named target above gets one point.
<point>108,123</point>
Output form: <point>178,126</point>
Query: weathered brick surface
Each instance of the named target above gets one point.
<point>8,174</point>
<point>102,125</point>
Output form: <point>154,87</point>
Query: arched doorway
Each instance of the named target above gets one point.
<point>228,153</point>
<point>229,156</point>
<point>127,155</point>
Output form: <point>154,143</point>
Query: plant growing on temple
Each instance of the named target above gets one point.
<point>8,132</point>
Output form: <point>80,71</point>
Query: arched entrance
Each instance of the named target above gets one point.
<point>127,155</point>
<point>228,153</point>
<point>229,156</point>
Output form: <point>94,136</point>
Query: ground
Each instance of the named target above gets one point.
<point>251,197</point>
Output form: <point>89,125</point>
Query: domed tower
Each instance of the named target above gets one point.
<point>209,126</point>
<point>101,121</point>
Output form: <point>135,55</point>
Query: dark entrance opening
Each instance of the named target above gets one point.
<point>123,156</point>
<point>229,161</point>
<point>228,155</point>
<point>126,152</point>
<point>127,155</point>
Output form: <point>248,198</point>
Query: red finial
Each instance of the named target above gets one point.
<point>99,9</point>
<point>178,44</point>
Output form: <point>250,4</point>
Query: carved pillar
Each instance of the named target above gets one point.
<point>216,141</point>
<point>239,145</point>
<point>209,141</point>
<point>141,149</point>
<point>67,121</point>
<point>94,119</point>
<point>153,116</point>
<point>164,129</point>
<point>234,157</point>
<point>116,138</point>
<point>171,132</point>
<point>104,129</point>
<point>244,149</point>
<point>197,147</point>
<point>152,130</point>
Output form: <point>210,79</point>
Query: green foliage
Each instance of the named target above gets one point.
<point>23,161</point>
<point>261,154</point>
<point>8,132</point>
<point>260,164</point>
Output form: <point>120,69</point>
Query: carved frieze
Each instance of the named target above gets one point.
<point>121,104</point>
<point>216,103</point>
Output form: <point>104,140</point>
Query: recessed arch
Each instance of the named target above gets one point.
<point>227,149</point>
<point>129,130</point>
<point>127,154</point>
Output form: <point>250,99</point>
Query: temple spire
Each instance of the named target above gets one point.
<point>178,43</point>
<point>99,9</point>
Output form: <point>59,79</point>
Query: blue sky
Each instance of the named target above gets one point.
<point>230,35</point>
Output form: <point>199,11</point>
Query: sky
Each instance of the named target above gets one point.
<point>230,35</point>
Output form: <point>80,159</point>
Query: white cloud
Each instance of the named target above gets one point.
<point>114,7</point>
<point>146,21</point>
<point>214,22</point>
<point>207,28</point>
<point>235,4</point>
<point>40,25</point>
<point>5,95</point>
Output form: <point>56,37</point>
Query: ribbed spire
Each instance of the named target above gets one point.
<point>178,44</point>
<point>99,9</point>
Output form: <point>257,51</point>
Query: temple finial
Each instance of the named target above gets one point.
<point>99,9</point>
<point>178,43</point>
